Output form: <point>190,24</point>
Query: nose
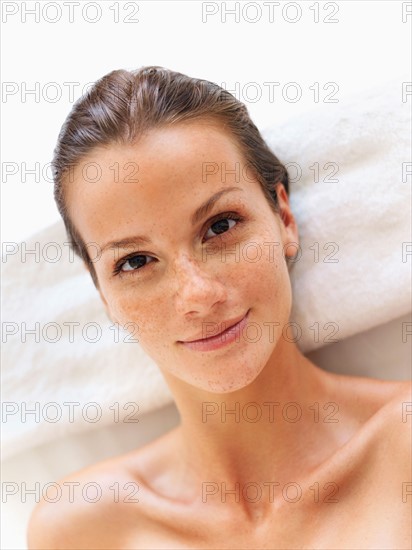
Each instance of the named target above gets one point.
<point>196,290</point>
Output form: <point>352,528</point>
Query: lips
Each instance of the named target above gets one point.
<point>226,326</point>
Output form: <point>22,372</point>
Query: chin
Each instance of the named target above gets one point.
<point>234,376</point>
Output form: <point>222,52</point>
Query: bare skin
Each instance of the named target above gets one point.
<point>335,477</point>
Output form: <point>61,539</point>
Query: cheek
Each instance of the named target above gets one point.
<point>264,274</point>
<point>137,313</point>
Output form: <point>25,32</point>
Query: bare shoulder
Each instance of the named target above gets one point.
<point>366,398</point>
<point>380,412</point>
<point>388,426</point>
<point>96,505</point>
<point>391,458</point>
<point>393,402</point>
<point>396,416</point>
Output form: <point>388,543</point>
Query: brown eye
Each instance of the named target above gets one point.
<point>224,224</point>
<point>132,263</point>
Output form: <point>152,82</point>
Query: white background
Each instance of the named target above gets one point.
<point>368,45</point>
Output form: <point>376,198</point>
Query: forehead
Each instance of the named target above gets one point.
<point>191,151</point>
<point>188,142</point>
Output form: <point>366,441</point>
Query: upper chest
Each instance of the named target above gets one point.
<point>352,512</point>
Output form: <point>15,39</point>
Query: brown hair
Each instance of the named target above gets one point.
<point>122,105</point>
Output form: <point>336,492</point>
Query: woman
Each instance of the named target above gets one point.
<point>271,451</point>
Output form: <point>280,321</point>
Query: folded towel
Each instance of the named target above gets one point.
<point>354,222</point>
<point>351,200</point>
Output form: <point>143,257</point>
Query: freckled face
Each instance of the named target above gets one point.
<point>189,277</point>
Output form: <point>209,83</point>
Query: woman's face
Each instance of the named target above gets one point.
<point>197,270</point>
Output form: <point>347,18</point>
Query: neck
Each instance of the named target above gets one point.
<point>262,432</point>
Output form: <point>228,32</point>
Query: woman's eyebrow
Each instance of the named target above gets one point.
<point>200,213</point>
<point>205,208</point>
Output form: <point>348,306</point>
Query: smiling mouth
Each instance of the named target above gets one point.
<point>230,326</point>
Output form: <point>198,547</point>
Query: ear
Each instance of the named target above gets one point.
<point>288,224</point>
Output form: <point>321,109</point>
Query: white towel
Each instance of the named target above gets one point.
<point>366,213</point>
